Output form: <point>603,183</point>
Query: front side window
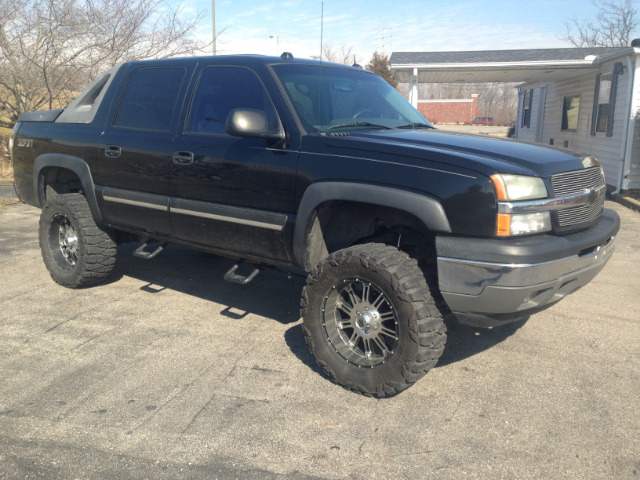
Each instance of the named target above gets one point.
<point>331,98</point>
<point>219,91</point>
<point>149,99</point>
<point>570,111</point>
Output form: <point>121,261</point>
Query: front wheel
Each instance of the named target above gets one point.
<point>371,321</point>
<point>75,250</point>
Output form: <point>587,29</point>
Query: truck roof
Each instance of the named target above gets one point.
<point>242,60</point>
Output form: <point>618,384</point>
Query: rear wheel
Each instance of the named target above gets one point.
<point>75,250</point>
<point>370,319</point>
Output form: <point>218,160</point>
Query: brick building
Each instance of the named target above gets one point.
<point>450,111</point>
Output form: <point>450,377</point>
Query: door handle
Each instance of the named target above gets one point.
<point>112,151</point>
<point>183,158</point>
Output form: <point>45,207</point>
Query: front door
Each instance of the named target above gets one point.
<point>228,192</point>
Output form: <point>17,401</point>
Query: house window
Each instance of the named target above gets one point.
<point>602,99</point>
<point>570,111</point>
<point>526,108</point>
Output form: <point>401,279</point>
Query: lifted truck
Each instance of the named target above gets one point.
<point>325,169</point>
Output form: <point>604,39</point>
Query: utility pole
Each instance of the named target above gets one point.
<point>213,23</point>
<point>277,37</point>
<point>321,29</point>
<point>383,34</point>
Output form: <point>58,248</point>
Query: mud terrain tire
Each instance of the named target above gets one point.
<point>371,321</point>
<point>75,250</point>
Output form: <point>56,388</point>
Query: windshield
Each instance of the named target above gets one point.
<point>332,99</point>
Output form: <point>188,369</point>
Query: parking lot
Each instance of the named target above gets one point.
<point>169,372</point>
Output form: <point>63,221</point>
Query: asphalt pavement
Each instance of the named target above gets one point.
<point>169,372</point>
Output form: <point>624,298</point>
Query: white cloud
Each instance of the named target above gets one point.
<point>410,26</point>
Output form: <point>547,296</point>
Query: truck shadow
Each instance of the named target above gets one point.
<point>271,295</point>
<point>464,341</point>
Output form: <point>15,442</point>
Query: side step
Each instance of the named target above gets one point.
<point>233,277</point>
<point>140,252</point>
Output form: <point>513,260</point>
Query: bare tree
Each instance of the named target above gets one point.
<point>343,55</point>
<point>50,48</point>
<point>613,26</point>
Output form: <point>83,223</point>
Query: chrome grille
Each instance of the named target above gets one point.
<point>567,183</point>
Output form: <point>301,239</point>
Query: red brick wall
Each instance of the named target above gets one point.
<point>450,112</point>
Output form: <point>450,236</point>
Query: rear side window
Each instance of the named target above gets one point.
<point>149,99</point>
<point>221,90</point>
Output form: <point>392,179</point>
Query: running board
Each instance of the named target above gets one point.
<point>140,252</point>
<point>233,277</point>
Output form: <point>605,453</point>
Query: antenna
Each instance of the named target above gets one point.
<point>321,29</point>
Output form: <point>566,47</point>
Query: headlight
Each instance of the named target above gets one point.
<point>523,224</point>
<point>518,187</point>
<point>514,188</point>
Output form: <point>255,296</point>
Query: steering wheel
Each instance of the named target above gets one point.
<point>363,111</point>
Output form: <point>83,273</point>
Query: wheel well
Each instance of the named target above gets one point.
<point>341,224</point>
<point>58,180</point>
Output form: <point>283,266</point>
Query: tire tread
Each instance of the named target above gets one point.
<point>98,249</point>
<point>410,285</point>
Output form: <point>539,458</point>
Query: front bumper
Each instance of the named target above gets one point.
<point>487,282</point>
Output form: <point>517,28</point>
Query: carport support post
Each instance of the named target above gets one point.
<point>413,89</point>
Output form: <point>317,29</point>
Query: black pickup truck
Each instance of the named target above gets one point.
<point>322,169</point>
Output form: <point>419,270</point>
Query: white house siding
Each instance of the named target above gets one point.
<point>634,172</point>
<point>609,150</point>
<point>633,143</point>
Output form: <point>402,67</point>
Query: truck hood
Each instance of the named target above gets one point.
<point>486,155</point>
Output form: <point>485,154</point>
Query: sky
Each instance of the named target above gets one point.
<point>264,27</point>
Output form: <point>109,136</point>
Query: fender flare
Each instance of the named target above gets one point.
<point>73,164</point>
<point>426,209</point>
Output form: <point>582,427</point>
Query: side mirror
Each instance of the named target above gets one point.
<point>247,122</point>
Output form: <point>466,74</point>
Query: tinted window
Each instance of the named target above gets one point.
<point>221,90</point>
<point>149,99</point>
<point>329,97</point>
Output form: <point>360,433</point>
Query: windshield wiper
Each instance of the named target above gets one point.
<point>357,124</point>
<point>416,125</point>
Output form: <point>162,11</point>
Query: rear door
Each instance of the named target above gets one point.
<point>136,147</point>
<point>228,192</point>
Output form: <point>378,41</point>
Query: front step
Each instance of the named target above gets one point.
<point>233,277</point>
<point>140,252</point>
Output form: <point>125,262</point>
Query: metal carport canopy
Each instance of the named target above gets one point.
<point>517,66</point>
